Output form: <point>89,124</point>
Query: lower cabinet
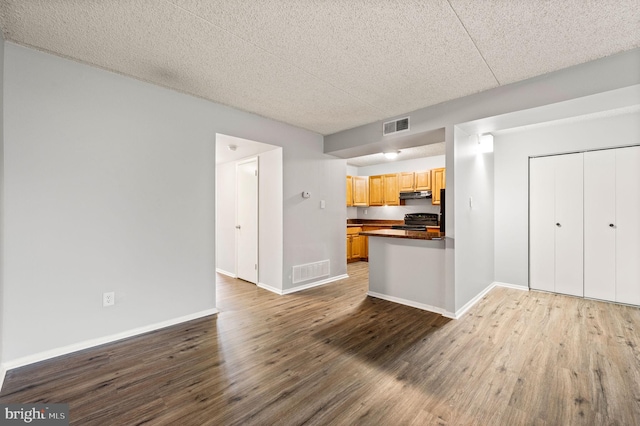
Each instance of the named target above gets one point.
<point>355,244</point>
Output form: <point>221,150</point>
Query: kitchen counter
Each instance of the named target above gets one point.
<point>400,233</point>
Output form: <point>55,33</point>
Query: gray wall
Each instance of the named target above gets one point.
<point>1,205</point>
<point>110,186</point>
<point>512,150</point>
<point>474,251</point>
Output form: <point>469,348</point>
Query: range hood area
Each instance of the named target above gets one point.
<point>415,195</point>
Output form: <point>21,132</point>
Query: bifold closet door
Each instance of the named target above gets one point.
<point>627,225</point>
<point>599,225</point>
<point>556,224</point>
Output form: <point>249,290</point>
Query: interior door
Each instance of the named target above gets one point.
<point>599,215</point>
<point>627,225</point>
<point>569,206</point>
<point>542,223</point>
<point>247,220</point>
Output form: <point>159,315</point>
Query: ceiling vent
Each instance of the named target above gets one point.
<point>395,126</point>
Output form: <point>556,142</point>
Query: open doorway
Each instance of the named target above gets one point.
<point>258,258</point>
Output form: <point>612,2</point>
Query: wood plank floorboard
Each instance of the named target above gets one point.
<point>332,355</point>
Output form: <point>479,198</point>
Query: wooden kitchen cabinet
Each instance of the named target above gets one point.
<point>349,191</point>
<point>423,180</point>
<point>407,182</point>
<point>354,243</point>
<point>391,186</point>
<point>376,191</point>
<point>438,182</point>
<point>360,188</point>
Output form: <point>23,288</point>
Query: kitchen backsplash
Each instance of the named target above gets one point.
<point>393,212</point>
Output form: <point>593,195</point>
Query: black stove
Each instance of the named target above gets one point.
<point>418,221</point>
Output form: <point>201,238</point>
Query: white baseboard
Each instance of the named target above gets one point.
<point>411,303</point>
<point>227,273</point>
<point>52,353</point>
<point>270,288</point>
<point>3,372</point>
<point>513,286</point>
<point>314,284</point>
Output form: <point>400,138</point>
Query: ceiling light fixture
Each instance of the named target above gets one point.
<point>390,155</point>
<point>485,143</point>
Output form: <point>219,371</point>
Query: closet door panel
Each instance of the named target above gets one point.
<point>541,223</point>
<point>599,214</point>
<point>627,225</point>
<point>569,241</point>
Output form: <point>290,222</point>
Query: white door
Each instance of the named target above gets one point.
<point>542,223</point>
<point>627,225</point>
<point>247,220</point>
<point>555,224</point>
<point>569,208</point>
<point>599,216</point>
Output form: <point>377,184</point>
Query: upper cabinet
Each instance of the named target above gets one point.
<point>376,191</point>
<point>438,182</point>
<point>423,181</point>
<point>349,191</point>
<point>360,191</point>
<point>383,190</point>
<point>407,181</point>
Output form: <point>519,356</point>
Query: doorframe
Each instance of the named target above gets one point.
<point>237,196</point>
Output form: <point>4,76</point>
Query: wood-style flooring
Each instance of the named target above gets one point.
<point>332,355</point>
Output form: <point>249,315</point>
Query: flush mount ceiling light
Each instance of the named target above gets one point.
<point>390,155</point>
<point>485,143</point>
<point>232,147</point>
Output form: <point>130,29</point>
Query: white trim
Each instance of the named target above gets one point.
<point>52,353</point>
<point>513,286</point>
<point>270,288</point>
<point>227,273</point>
<point>314,284</point>
<point>411,303</point>
<point>3,372</point>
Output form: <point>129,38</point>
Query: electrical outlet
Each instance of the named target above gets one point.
<point>108,299</point>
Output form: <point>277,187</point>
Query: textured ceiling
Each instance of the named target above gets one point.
<point>326,65</point>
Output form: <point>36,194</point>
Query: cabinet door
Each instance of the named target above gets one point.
<point>542,223</point>
<point>390,186</point>
<point>349,247</point>
<point>360,191</point>
<point>349,191</point>
<point>356,247</point>
<point>407,181</point>
<point>569,207</point>
<point>599,214</point>
<point>423,181</point>
<point>627,225</point>
<point>376,194</point>
<point>437,183</point>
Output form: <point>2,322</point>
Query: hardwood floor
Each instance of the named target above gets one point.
<point>331,355</point>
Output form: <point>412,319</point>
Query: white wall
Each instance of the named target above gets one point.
<point>226,218</point>
<point>512,150</point>
<point>474,258</point>
<point>270,222</point>
<point>110,186</point>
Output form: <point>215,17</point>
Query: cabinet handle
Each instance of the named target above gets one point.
<point>611,225</point>
<point>237,226</point>
<point>558,225</point>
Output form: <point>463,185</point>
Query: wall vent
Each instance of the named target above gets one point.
<point>395,126</point>
<point>310,271</point>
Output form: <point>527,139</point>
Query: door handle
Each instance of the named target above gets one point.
<point>558,225</point>
<point>237,226</point>
<point>611,225</point>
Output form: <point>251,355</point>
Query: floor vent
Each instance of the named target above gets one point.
<point>395,126</point>
<point>310,271</point>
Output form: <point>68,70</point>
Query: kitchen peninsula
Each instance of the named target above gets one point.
<point>407,267</point>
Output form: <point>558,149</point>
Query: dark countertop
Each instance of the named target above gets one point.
<point>400,233</point>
